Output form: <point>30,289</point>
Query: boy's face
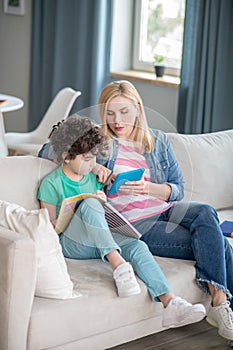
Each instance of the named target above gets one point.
<point>83,163</point>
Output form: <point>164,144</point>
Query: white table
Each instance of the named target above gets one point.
<point>13,103</point>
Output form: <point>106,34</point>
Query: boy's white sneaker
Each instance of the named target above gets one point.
<point>125,280</point>
<point>180,313</point>
<point>221,317</point>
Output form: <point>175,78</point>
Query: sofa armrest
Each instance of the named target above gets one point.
<point>17,288</point>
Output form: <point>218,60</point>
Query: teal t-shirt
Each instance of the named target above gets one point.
<point>56,186</point>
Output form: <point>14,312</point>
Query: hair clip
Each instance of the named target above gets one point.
<point>55,127</point>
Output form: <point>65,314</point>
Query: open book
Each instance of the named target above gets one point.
<point>115,220</point>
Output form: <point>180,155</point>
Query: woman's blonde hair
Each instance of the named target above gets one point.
<point>124,88</point>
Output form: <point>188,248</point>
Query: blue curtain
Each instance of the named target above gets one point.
<point>70,47</point>
<point>206,90</point>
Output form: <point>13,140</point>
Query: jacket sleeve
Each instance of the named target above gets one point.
<point>175,178</point>
<point>165,167</point>
<point>47,152</point>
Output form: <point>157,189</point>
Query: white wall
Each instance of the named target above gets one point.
<point>15,36</point>
<point>162,99</point>
<point>121,35</point>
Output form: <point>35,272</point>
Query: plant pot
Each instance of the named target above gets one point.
<point>159,70</point>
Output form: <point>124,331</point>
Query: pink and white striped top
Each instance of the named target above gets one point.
<point>134,207</point>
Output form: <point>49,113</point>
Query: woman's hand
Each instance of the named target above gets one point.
<point>161,191</point>
<point>135,187</point>
<point>101,172</point>
<point>101,194</point>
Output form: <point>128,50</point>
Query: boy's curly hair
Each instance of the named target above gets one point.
<point>77,135</point>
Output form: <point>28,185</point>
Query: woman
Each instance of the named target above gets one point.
<point>169,227</point>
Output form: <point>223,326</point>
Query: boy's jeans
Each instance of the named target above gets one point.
<point>88,237</point>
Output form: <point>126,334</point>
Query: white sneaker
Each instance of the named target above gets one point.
<point>221,317</point>
<point>179,313</point>
<point>125,280</point>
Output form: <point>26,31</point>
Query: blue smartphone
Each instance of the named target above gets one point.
<point>121,178</point>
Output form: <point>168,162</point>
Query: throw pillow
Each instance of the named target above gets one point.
<point>53,280</point>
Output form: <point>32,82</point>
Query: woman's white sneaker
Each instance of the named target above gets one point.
<point>180,313</point>
<point>125,280</point>
<point>221,317</point>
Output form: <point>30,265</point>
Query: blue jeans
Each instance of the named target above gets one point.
<point>88,237</point>
<point>191,231</point>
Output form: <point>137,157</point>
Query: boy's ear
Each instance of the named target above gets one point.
<point>64,155</point>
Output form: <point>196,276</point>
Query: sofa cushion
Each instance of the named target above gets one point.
<point>225,214</point>
<point>20,178</point>
<point>101,309</point>
<point>206,163</point>
<point>53,280</point>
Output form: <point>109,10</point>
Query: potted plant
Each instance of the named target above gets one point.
<point>159,66</point>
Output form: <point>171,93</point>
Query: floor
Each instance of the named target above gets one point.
<point>198,336</point>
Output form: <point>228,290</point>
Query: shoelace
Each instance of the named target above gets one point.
<point>227,314</point>
<point>126,273</point>
<point>180,301</point>
<point>230,311</point>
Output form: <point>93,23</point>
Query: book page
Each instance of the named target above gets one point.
<point>118,223</point>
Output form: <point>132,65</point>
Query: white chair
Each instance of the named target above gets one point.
<point>29,143</point>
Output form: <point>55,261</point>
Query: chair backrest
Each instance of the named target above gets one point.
<point>59,109</point>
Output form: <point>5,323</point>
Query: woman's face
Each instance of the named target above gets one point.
<point>121,115</point>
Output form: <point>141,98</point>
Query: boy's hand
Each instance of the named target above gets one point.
<point>101,194</point>
<point>101,172</point>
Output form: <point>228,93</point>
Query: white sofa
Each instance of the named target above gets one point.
<point>98,319</point>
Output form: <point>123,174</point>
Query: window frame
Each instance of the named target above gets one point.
<point>137,64</point>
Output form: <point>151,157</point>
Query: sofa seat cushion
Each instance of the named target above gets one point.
<point>225,214</point>
<point>56,322</point>
<point>206,163</point>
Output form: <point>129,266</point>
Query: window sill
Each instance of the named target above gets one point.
<point>166,80</point>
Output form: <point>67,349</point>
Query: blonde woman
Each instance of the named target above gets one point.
<point>169,227</point>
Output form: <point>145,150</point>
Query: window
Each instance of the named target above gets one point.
<point>158,29</point>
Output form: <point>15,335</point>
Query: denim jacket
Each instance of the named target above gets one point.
<point>161,161</point>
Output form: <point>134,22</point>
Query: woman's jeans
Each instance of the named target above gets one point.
<point>191,231</point>
<point>88,237</point>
